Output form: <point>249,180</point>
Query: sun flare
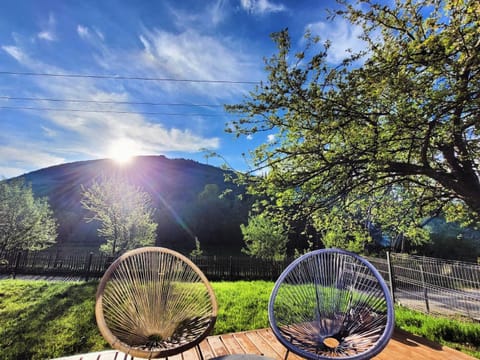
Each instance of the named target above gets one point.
<point>122,151</point>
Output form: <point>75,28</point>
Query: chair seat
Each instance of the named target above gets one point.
<point>331,303</point>
<point>154,302</point>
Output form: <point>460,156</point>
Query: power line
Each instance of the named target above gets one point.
<point>107,111</point>
<point>107,102</point>
<point>118,77</point>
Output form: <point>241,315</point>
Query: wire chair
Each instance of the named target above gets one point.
<point>153,302</point>
<point>331,303</point>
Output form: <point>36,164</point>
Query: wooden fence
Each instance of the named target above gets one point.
<point>84,266</point>
<point>89,266</point>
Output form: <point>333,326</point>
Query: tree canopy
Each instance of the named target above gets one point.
<point>26,222</point>
<point>125,214</point>
<point>264,239</point>
<point>388,136</point>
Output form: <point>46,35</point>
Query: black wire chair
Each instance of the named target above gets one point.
<point>331,303</point>
<point>153,302</point>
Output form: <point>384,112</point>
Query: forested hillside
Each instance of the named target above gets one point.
<point>185,193</point>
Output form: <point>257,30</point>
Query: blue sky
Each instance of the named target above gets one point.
<point>49,120</point>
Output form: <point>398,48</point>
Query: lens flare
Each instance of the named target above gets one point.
<point>122,151</point>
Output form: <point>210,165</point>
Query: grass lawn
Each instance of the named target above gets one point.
<point>44,319</point>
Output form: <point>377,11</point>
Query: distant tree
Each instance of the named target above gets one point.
<point>215,216</point>
<point>197,251</point>
<point>264,239</point>
<point>26,222</point>
<point>451,241</point>
<point>210,212</point>
<point>398,120</point>
<point>125,214</point>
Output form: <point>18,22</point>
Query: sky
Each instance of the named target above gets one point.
<point>83,80</point>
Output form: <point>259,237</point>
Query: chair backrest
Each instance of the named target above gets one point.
<point>154,302</point>
<point>331,303</point>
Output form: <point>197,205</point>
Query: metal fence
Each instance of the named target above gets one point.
<point>432,285</point>
<point>420,283</point>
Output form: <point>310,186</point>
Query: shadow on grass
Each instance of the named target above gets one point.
<point>43,321</point>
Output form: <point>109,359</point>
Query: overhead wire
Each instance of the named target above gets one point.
<point>114,102</point>
<point>121,77</point>
<point>108,111</point>
<point>107,101</point>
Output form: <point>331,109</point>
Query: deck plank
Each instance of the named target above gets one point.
<point>217,345</point>
<point>402,346</point>
<point>248,346</point>
<point>267,348</point>
<point>270,337</point>
<point>206,350</point>
<point>232,344</point>
<point>191,354</point>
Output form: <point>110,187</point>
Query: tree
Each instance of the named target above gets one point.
<point>399,120</point>
<point>125,214</point>
<point>264,239</point>
<point>26,222</point>
<point>198,250</point>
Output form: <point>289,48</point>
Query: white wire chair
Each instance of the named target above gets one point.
<point>153,302</point>
<point>331,303</point>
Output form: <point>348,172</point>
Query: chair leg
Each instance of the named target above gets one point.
<point>286,354</point>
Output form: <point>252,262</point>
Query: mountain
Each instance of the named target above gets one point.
<point>184,192</point>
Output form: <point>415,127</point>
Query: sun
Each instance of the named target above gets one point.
<point>122,151</point>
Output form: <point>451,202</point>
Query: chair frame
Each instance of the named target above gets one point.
<point>380,343</point>
<point>163,353</point>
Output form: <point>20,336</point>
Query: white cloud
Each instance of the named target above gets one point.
<point>249,137</point>
<point>343,37</point>
<point>95,133</point>
<point>99,34</point>
<point>192,55</point>
<point>212,14</point>
<point>49,132</point>
<point>91,35</point>
<point>271,138</point>
<point>90,133</point>
<point>261,6</point>
<point>184,55</point>
<point>26,157</point>
<point>16,53</point>
<point>83,31</point>
<point>217,12</point>
<point>48,33</point>
<point>7,172</point>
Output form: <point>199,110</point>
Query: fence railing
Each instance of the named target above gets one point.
<point>90,265</point>
<point>84,266</point>
<point>420,283</point>
<point>432,285</point>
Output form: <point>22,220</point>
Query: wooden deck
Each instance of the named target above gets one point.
<point>263,342</point>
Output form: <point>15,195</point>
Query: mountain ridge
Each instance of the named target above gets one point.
<point>175,186</point>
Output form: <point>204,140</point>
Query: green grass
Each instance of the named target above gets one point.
<point>457,333</point>
<point>43,320</point>
<point>243,305</point>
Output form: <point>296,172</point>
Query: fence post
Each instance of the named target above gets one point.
<point>17,264</point>
<point>425,292</point>
<point>88,266</point>
<point>391,276</point>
